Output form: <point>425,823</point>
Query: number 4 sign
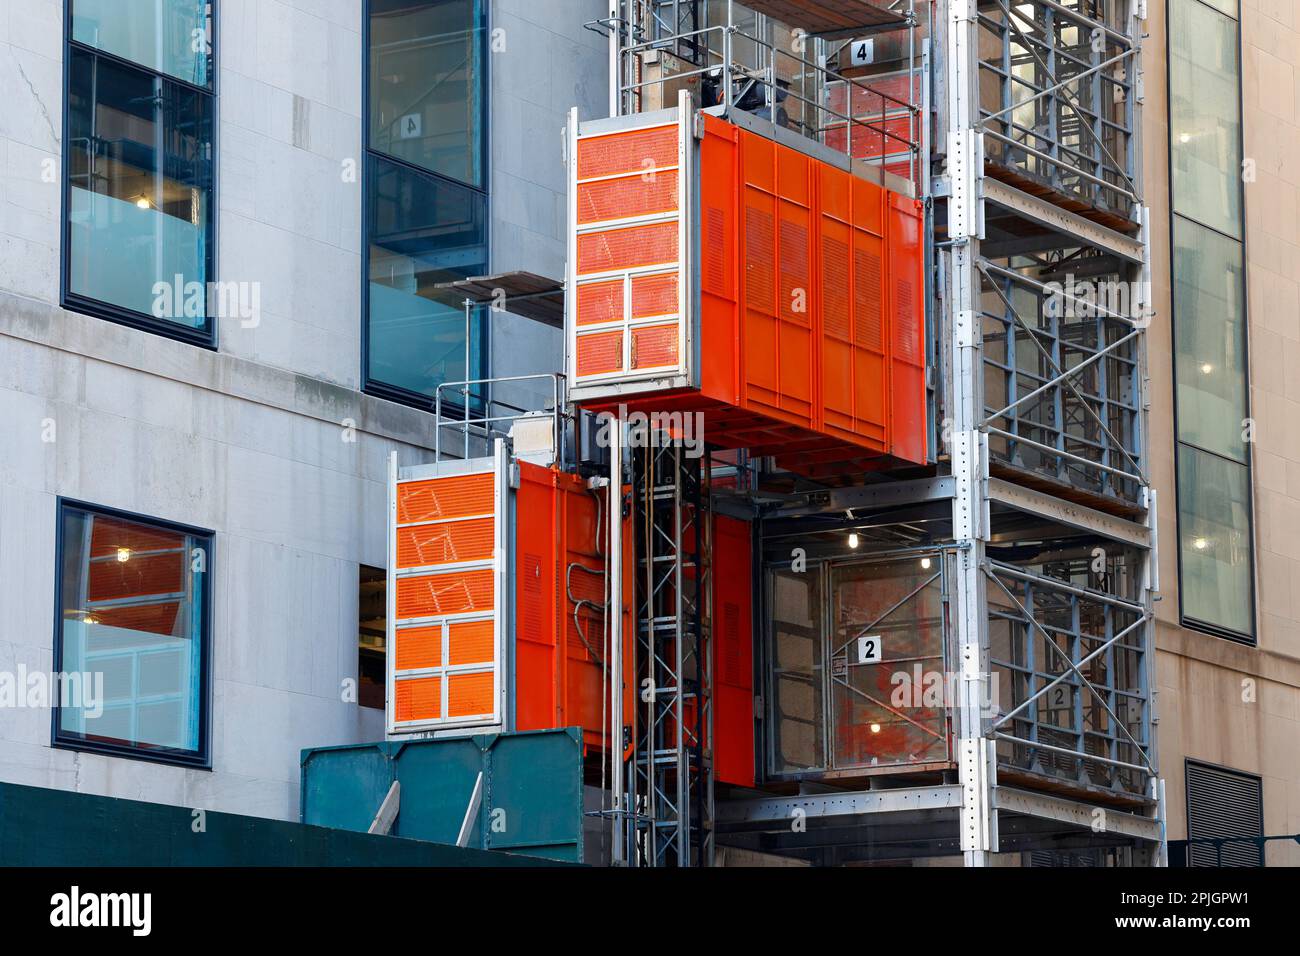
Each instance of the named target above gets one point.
<point>862,52</point>
<point>870,649</point>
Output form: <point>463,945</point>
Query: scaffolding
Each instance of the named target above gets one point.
<point>671,788</point>
<point>1018,123</point>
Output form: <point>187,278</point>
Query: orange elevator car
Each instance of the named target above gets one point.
<point>777,290</point>
<point>496,598</point>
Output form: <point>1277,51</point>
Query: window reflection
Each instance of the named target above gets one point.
<point>132,606</point>
<point>140,170</point>
<point>425,99</point>
<point>169,36</point>
<point>1214,540</point>
<point>424,231</point>
<point>1210,339</point>
<point>1204,116</point>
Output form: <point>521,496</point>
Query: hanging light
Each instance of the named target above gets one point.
<point>123,555</point>
<point>875,728</point>
<point>1200,544</point>
<point>853,540</point>
<point>925,564</point>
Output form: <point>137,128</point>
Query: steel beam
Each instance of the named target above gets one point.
<point>1067,513</point>
<point>1044,213</point>
<point>780,811</point>
<point>1063,810</point>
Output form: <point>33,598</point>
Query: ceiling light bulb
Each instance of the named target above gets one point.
<point>875,728</point>
<point>124,554</point>
<point>1184,137</point>
<point>853,540</point>
<point>925,564</point>
<point>1207,368</point>
<point>1200,544</point>
<point>143,203</point>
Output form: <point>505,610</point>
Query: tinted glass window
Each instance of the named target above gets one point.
<point>133,618</point>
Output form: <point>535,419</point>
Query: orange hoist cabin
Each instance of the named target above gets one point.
<point>736,269</point>
<point>496,599</point>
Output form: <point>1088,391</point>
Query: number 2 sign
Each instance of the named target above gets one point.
<point>870,649</point>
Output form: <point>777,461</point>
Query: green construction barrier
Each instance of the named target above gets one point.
<point>40,827</point>
<point>531,801</point>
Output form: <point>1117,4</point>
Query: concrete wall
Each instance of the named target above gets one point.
<point>249,441</point>
<point>1219,702</point>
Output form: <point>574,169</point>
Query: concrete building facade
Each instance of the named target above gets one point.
<point>1225,703</point>
<point>268,439</point>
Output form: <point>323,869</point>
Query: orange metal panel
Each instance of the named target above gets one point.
<point>469,694</point>
<point>654,295</point>
<point>419,647</point>
<point>654,346</point>
<point>733,653</point>
<point>600,352</point>
<point>626,197</point>
<point>635,151</point>
<point>600,302</point>
<point>418,699</point>
<point>454,592</point>
<point>560,594</point>
<point>445,543</point>
<point>719,351</point>
<point>906,290</point>
<point>454,497</point>
<point>470,642</point>
<point>629,247</point>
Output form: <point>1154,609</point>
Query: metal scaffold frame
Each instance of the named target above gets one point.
<point>1088,381</point>
<point>671,786</point>
<point>1038,494</point>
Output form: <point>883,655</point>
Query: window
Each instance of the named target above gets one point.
<point>426,63</point>
<point>426,205</point>
<point>1215,535</point>
<point>139,154</point>
<point>134,600</point>
<point>1223,803</point>
<point>372,636</point>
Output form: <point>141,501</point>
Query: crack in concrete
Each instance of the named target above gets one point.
<point>40,104</point>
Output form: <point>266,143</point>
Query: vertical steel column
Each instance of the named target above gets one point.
<point>977,767</point>
<point>614,657</point>
<point>671,785</point>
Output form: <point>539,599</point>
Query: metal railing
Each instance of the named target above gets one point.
<point>758,84</point>
<point>1057,99</point>
<point>477,393</point>
<point>1062,384</point>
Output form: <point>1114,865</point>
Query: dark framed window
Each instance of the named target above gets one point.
<point>372,636</point>
<point>139,211</point>
<point>1208,279</point>
<point>133,629</point>
<point>426,200</point>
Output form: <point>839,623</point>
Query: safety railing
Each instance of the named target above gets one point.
<point>731,68</point>
<point>1057,99</point>
<point>473,412</point>
<point>1068,648</point>
<point>1062,381</point>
